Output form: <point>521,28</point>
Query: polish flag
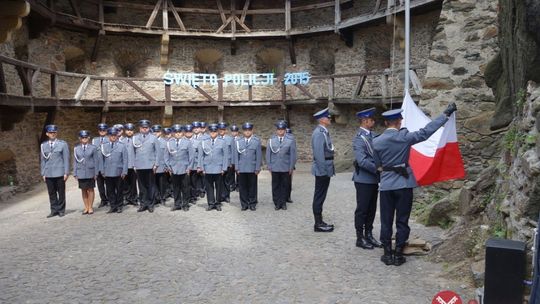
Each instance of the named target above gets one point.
<point>438,158</point>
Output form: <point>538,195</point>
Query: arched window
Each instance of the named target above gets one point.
<point>270,60</point>
<point>208,61</point>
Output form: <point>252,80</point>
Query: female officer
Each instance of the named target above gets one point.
<point>85,169</point>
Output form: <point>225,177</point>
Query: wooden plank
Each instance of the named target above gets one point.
<point>377,7</point>
<point>243,25</point>
<point>75,7</point>
<point>233,15</point>
<point>283,90</point>
<point>101,12</point>
<point>305,91</point>
<point>250,93</point>
<point>165,16</point>
<point>95,49</point>
<point>244,12</point>
<point>167,93</point>
<point>287,17</point>
<point>141,91</point>
<point>221,12</point>
<point>384,86</point>
<point>359,86</point>
<point>105,90</point>
<point>222,27</point>
<point>415,81</point>
<point>220,90</point>
<point>203,92</point>
<point>3,87</point>
<point>292,52</point>
<point>82,89</point>
<point>176,16</point>
<point>23,76</point>
<point>54,85</point>
<point>154,14</point>
<point>337,15</point>
<point>331,89</point>
<point>35,77</point>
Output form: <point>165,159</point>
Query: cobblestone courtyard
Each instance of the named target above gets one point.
<point>265,256</point>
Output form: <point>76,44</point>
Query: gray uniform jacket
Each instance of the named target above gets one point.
<point>114,159</point>
<point>248,158</point>
<point>195,143</point>
<point>392,148</point>
<point>145,150</point>
<point>229,142</point>
<point>323,153</point>
<point>86,161</point>
<point>366,172</point>
<point>179,155</point>
<point>281,157</point>
<point>213,158</point>
<point>98,141</point>
<point>162,144</point>
<point>55,160</point>
<point>128,141</point>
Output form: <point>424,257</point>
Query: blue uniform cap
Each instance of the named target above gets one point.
<point>234,128</point>
<point>144,123</point>
<point>392,114</point>
<point>112,131</point>
<point>288,130</point>
<point>51,128</point>
<point>281,125</point>
<point>322,113</point>
<point>188,128</point>
<point>156,128</point>
<point>102,126</point>
<point>167,130</point>
<point>119,126</point>
<point>203,124</point>
<point>196,124</point>
<point>84,133</point>
<point>222,125</point>
<point>177,128</point>
<point>213,127</point>
<point>366,113</point>
<point>247,126</point>
<point>129,126</point>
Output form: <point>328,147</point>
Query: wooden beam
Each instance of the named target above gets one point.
<point>105,90</point>
<point>3,87</point>
<point>292,52</point>
<point>305,91</point>
<point>203,92</point>
<point>331,89</point>
<point>165,16</point>
<point>283,90</point>
<point>359,86</point>
<point>287,17</point>
<point>95,49</point>
<point>35,79</point>
<point>337,15</point>
<point>176,16</point>
<point>101,12</point>
<point>415,81</point>
<point>154,14</point>
<point>244,12</point>
<point>242,25</point>
<point>250,93</point>
<point>54,85</point>
<point>82,89</point>
<point>220,90</point>
<point>384,86</point>
<point>75,7</point>
<point>167,93</point>
<point>233,15</point>
<point>23,76</point>
<point>221,12</point>
<point>377,7</point>
<point>141,91</point>
<point>224,25</point>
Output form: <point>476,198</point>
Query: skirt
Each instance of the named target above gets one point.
<point>87,183</point>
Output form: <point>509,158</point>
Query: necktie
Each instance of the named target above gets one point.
<point>247,141</point>
<point>101,140</point>
<point>177,142</point>
<point>112,146</point>
<point>144,136</point>
<point>51,143</point>
<point>280,140</point>
<point>84,148</point>
<point>213,141</point>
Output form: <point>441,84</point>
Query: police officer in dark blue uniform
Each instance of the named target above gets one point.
<point>392,150</point>
<point>366,181</point>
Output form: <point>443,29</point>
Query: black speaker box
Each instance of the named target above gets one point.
<point>505,271</point>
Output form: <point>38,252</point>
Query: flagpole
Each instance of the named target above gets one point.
<point>407,43</point>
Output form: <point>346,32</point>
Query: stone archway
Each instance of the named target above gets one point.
<point>208,61</point>
<point>270,60</point>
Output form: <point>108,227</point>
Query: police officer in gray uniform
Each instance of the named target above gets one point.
<point>233,182</point>
<point>392,150</point>
<point>55,170</point>
<point>289,134</point>
<point>98,141</point>
<point>145,147</point>
<point>213,162</point>
<point>280,159</point>
<point>179,159</point>
<point>130,182</point>
<point>115,168</point>
<point>322,168</point>
<point>229,174</point>
<point>366,181</point>
<point>160,170</point>
<point>197,179</point>
<point>86,168</point>
<point>248,158</point>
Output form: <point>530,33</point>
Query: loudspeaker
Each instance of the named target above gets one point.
<point>505,271</point>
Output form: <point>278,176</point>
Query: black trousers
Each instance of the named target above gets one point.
<point>289,188</point>
<point>56,186</point>
<point>193,184</point>
<point>321,189</point>
<point>229,183</point>
<point>161,187</point>
<point>214,187</point>
<point>398,202</point>
<point>181,189</point>
<point>129,186</point>
<point>100,180</point>
<point>366,207</point>
<point>145,180</point>
<point>248,189</point>
<point>280,188</point>
<point>114,191</point>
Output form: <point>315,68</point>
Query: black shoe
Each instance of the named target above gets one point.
<point>399,259</point>
<point>289,201</point>
<point>202,194</point>
<point>209,208</point>
<point>185,208</point>
<point>141,209</point>
<point>329,225</point>
<point>276,208</point>
<point>218,208</point>
<point>322,227</point>
<point>363,243</point>
<point>228,200</point>
<point>244,208</point>
<point>388,257</point>
<point>52,214</point>
<point>103,204</point>
<point>252,208</point>
<point>61,214</point>
<point>174,208</point>
<point>112,210</point>
<point>284,206</point>
<point>369,237</point>
<point>150,209</point>
<point>119,210</point>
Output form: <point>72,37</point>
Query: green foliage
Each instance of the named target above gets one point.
<point>445,223</point>
<point>513,139</point>
<point>499,230</point>
<point>521,96</point>
<point>530,139</point>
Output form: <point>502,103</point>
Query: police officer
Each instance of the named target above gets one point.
<point>322,168</point>
<point>55,170</point>
<point>160,170</point>
<point>289,133</point>
<point>229,174</point>
<point>167,189</point>
<point>203,134</point>
<point>213,162</point>
<point>130,182</point>
<point>120,129</point>
<point>280,159</point>
<point>189,135</point>
<point>178,159</point>
<point>366,181</point>
<point>248,158</point>
<point>197,180</point>
<point>145,146</point>
<point>98,142</point>
<point>115,168</point>
<point>392,150</point>
<point>86,168</point>
<point>233,181</point>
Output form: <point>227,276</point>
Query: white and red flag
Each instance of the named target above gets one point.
<point>438,158</point>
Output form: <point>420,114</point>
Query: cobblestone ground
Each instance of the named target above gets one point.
<point>265,256</point>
